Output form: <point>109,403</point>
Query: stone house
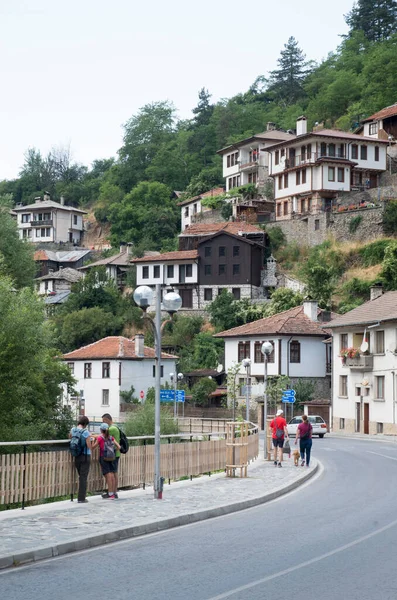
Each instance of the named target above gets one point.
<point>191,208</point>
<point>57,281</point>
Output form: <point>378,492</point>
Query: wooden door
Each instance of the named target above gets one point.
<point>373,180</point>
<point>366,418</point>
<point>358,416</point>
<point>187,298</point>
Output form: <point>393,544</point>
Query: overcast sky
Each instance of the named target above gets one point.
<point>72,72</point>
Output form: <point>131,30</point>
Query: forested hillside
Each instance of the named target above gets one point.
<point>161,153</point>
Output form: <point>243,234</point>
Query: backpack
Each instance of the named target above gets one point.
<point>279,432</point>
<point>76,445</point>
<point>124,445</point>
<point>109,450</point>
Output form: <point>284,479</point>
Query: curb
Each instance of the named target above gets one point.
<point>44,553</point>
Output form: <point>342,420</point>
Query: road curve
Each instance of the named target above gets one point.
<point>335,538</point>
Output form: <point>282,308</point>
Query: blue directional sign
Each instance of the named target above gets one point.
<point>180,395</point>
<point>288,396</point>
<point>166,395</point>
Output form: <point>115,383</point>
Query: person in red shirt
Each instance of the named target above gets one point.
<point>279,432</point>
<point>304,435</point>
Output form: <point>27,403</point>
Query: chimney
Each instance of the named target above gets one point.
<point>301,126</point>
<point>325,316</point>
<point>139,345</point>
<point>310,308</point>
<point>122,247</point>
<point>46,196</point>
<point>376,291</point>
<point>270,126</point>
<point>129,248</point>
<point>62,201</point>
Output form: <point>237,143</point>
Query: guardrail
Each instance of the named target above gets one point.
<point>28,475</point>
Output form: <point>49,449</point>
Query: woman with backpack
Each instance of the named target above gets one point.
<point>80,448</point>
<point>304,435</point>
<point>107,458</point>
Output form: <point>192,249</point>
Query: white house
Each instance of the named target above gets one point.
<point>381,124</point>
<point>111,365</point>
<point>364,386</point>
<point>116,266</point>
<point>298,338</point>
<point>245,162</point>
<point>191,208</point>
<point>310,170</point>
<point>49,221</point>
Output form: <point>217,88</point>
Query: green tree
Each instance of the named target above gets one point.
<point>224,312</point>
<point>304,392</point>
<point>275,386</point>
<point>283,299</point>
<point>81,327</point>
<point>390,218</point>
<point>16,256</point>
<point>287,81</point>
<point>389,267</point>
<point>376,18</point>
<point>141,422</point>
<point>201,391</point>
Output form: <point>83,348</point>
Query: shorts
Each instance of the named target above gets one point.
<point>107,466</point>
<point>116,463</point>
<point>278,442</point>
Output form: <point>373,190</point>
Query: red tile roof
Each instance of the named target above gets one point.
<point>289,322</point>
<point>214,192</point>
<point>168,256</point>
<point>40,255</point>
<point>229,226</point>
<point>112,347</point>
<point>389,111</point>
<point>327,133</point>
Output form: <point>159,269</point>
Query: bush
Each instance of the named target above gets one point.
<point>276,238</point>
<point>202,390</point>
<point>141,422</point>
<point>354,223</point>
<point>390,218</point>
<point>373,253</point>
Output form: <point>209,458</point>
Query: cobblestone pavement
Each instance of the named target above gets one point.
<point>50,530</point>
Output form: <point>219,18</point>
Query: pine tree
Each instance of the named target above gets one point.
<point>376,18</point>
<point>286,81</point>
<point>203,111</point>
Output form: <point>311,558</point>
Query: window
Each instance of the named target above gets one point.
<point>279,209</point>
<point>341,423</point>
<point>236,250</point>
<point>222,251</point>
<point>286,180</point>
<point>358,390</point>
<point>303,153</point>
<point>341,174</point>
<point>280,182</point>
<point>363,152</point>
<point>243,350</point>
<point>222,270</point>
<point>331,173</point>
<point>309,151</point>
<point>252,177</point>
<point>71,367</point>
<point>236,269</point>
<point>258,356</point>
<point>294,352</point>
<point>42,232</point>
<point>354,151</point>
<point>170,271</point>
<point>208,294</point>
<point>236,293</point>
<point>186,211</point>
<point>376,153</point>
<point>228,160</point>
<point>285,208</point>
<point>303,175</point>
<point>207,270</point>
<point>282,153</point>
<point>298,178</point>
<point>343,341</point>
<point>341,151</point>
<point>343,386</point>
<point>145,272</point>
<point>373,128</point>
<point>105,370</point>
<point>331,150</point>
<point>161,371</point>
<point>87,370</point>
<point>380,387</point>
<point>316,224</point>
<point>323,149</point>
<point>220,290</point>
<point>105,397</point>
<point>25,218</point>
<point>195,209</point>
<point>230,183</point>
<point>207,251</point>
<point>156,271</point>
<point>277,157</point>
<point>379,428</point>
<point>379,342</point>
<point>303,205</point>
<point>189,270</point>
<point>74,219</point>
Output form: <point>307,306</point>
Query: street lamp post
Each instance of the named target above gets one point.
<point>266,349</point>
<point>246,365</point>
<point>172,302</point>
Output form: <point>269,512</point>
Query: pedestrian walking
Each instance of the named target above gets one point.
<point>304,435</point>
<point>279,433</point>
<point>80,448</point>
<point>115,432</point>
<point>107,457</point>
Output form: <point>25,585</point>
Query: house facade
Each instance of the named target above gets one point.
<point>58,281</point>
<point>365,366</point>
<point>192,208</point>
<point>297,336</point>
<point>192,236</point>
<point>49,221</point>
<point>310,171</point>
<point>49,261</point>
<point>116,266</point>
<point>381,125</point>
<point>105,368</point>
<point>245,162</point>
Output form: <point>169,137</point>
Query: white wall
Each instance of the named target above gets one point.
<point>187,220</point>
<point>163,279</point>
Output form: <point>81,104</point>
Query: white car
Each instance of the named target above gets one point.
<point>318,424</point>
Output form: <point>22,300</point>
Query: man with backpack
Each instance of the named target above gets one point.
<point>121,439</point>
<point>279,431</point>
<point>80,449</point>
<point>107,458</point>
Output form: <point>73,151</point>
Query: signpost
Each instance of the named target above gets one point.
<point>166,395</point>
<point>142,395</point>
<point>288,397</point>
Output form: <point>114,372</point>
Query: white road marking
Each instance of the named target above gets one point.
<point>305,564</point>
<point>379,454</point>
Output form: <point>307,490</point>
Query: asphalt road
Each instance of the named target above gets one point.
<point>334,539</point>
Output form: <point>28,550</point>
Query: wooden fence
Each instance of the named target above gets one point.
<point>39,475</point>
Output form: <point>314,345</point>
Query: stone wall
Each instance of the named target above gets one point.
<point>369,228</point>
<point>208,216</point>
<point>309,231</point>
<point>350,427</point>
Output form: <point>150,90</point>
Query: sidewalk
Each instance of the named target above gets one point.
<point>48,530</point>
<point>376,437</point>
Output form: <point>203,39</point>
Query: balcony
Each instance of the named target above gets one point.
<point>365,362</point>
<point>300,160</point>
<point>249,165</point>
<point>42,223</point>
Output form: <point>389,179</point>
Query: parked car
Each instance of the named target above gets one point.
<point>318,424</point>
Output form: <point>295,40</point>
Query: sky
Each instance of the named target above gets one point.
<point>73,72</point>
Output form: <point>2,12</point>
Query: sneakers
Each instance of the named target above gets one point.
<point>275,463</point>
<point>302,463</point>
<point>279,464</point>
<point>107,495</point>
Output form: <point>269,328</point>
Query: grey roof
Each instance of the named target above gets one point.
<point>272,135</point>
<point>122,259</point>
<point>383,308</point>
<point>48,204</point>
<point>68,274</point>
<point>58,298</point>
<point>60,256</point>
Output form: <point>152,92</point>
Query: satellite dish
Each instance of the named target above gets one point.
<point>219,368</point>
<point>364,346</point>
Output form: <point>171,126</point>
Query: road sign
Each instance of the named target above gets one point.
<point>289,393</point>
<point>288,396</point>
<point>166,395</point>
<point>142,395</point>
<point>180,395</point>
